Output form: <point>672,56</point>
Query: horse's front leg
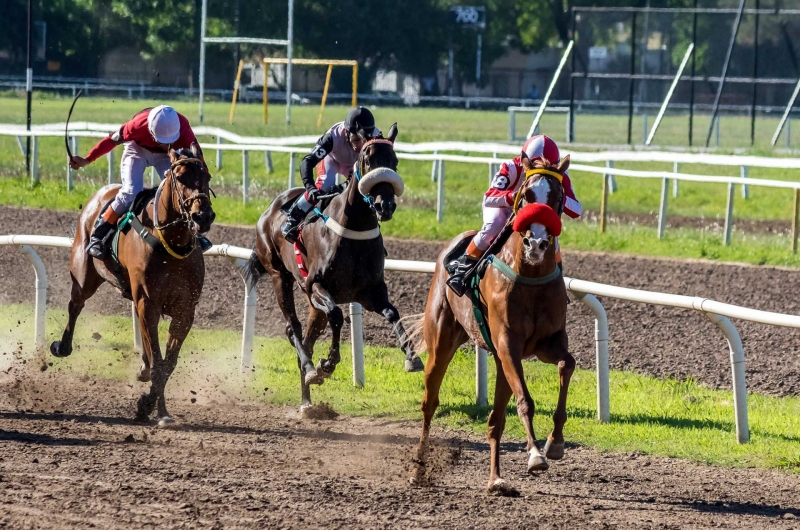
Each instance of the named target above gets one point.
<point>149,316</point>
<point>315,325</point>
<point>322,300</point>
<point>379,303</point>
<point>178,330</point>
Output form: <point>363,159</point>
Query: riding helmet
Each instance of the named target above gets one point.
<point>164,125</point>
<point>543,147</point>
<point>360,121</point>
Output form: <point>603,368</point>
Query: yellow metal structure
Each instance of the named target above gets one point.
<point>330,63</point>
<point>236,91</point>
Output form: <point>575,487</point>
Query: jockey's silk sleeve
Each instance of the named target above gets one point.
<point>572,206</point>
<point>104,146</point>
<point>322,149</point>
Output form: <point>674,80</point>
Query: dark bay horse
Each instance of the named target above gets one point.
<point>525,306</point>
<point>163,279</point>
<point>344,261</point>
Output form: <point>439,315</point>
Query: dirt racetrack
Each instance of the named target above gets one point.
<point>70,457</point>
<point>73,460</point>
<point>643,338</point>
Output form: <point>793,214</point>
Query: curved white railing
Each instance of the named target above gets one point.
<point>718,312</point>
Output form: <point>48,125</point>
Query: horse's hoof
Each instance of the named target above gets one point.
<point>314,378</point>
<point>323,370</point>
<point>55,350</point>
<point>553,450</point>
<point>500,487</point>
<point>414,365</point>
<point>167,422</point>
<point>537,462</point>
<point>143,374</point>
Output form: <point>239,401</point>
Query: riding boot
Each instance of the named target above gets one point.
<point>102,233</point>
<point>204,243</point>
<point>299,210</point>
<point>458,269</point>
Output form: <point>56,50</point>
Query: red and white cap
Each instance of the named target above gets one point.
<point>541,146</point>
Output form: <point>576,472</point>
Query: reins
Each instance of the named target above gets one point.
<point>179,205</point>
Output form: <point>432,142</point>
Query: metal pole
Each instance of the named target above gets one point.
<point>435,168</point>
<point>35,161</point>
<point>481,377</point>
<point>290,38</point>
<point>744,173</point>
<point>571,118</point>
<point>29,89</point>
<point>726,238</point>
<point>786,113</point>
<point>245,178</point>
<point>357,342</point>
<point>291,170</point>
<point>268,162</point>
<point>478,66</point>
<point>675,169</point>
<point>738,374</point>
<point>450,72</point>
<point>601,354</point>
<point>440,193</point>
<point>671,90</point>
<point>755,84</point>
<point>553,82</point>
<point>202,73</point>
<point>630,82</point>
<point>795,220</point>
<point>111,167</point>
<point>603,204</point>
<point>691,92</point>
<point>725,65</point>
<point>219,153</point>
<point>662,209</point>
<point>40,307</point>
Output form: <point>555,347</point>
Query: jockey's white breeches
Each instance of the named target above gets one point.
<point>494,219</point>
<point>135,160</point>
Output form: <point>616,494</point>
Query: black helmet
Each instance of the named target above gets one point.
<point>360,121</point>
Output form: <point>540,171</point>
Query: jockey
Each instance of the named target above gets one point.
<point>147,139</point>
<point>498,205</point>
<point>337,151</point>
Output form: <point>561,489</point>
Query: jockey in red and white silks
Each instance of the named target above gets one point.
<point>498,202</point>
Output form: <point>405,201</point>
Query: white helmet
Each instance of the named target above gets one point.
<point>163,123</point>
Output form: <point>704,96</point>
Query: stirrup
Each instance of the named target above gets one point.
<point>289,230</point>
<point>457,284</point>
<point>96,248</point>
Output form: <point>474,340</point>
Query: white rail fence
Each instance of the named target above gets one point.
<point>433,152</point>
<point>717,312</point>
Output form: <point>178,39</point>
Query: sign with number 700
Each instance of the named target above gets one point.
<point>469,16</point>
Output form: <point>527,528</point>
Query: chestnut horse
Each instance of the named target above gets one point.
<point>525,305</point>
<point>163,276</point>
<point>344,260</point>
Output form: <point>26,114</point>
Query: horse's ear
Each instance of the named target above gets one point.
<point>564,165</point>
<point>173,155</point>
<point>392,132</point>
<point>195,150</point>
<point>526,162</point>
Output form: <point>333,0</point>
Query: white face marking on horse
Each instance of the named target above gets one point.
<point>538,231</point>
<point>536,244</point>
<point>541,189</point>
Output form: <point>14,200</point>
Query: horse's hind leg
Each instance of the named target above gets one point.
<point>178,330</point>
<point>380,304</point>
<point>81,291</point>
<point>555,351</point>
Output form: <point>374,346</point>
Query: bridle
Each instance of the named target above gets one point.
<point>360,168</point>
<point>530,178</point>
<point>179,203</point>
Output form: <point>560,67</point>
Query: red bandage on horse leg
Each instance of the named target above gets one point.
<point>110,216</point>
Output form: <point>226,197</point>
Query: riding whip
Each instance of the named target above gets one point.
<point>66,128</point>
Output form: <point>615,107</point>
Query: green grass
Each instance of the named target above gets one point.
<point>416,218</point>
<point>668,418</point>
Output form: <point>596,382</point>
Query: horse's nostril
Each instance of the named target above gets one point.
<point>543,245</point>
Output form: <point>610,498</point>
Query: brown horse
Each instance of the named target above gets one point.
<point>344,261</point>
<point>163,276</point>
<point>525,305</point>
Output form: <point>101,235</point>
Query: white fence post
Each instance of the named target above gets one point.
<point>219,153</point>
<point>434,168</point>
<point>644,129</point>
<point>716,135</point>
<point>481,377</point>
<point>245,178</point>
<point>612,180</point>
<point>357,342</point>
<point>440,193</point>
<point>737,373</point>
<point>41,295</point>
<point>249,320</point>
<point>601,354</point>
<point>291,170</point>
<point>726,237</point>
<point>268,162</point>
<point>153,177</point>
<point>35,161</point>
<point>662,209</point>
<point>744,173</point>
<point>512,125</point>
<point>110,157</point>
<point>137,330</point>
<point>675,169</point>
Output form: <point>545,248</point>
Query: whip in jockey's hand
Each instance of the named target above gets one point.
<point>147,138</point>
<point>336,151</point>
<point>498,205</point>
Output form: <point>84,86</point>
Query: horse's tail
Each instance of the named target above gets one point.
<point>414,326</point>
<point>253,269</point>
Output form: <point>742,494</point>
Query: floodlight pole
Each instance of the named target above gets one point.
<point>669,94</point>
<point>755,85</point>
<point>691,92</point>
<point>29,89</point>
<point>630,83</point>
<point>786,113</point>
<point>725,65</point>
<point>571,117</point>
<point>543,105</point>
<point>201,80</point>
